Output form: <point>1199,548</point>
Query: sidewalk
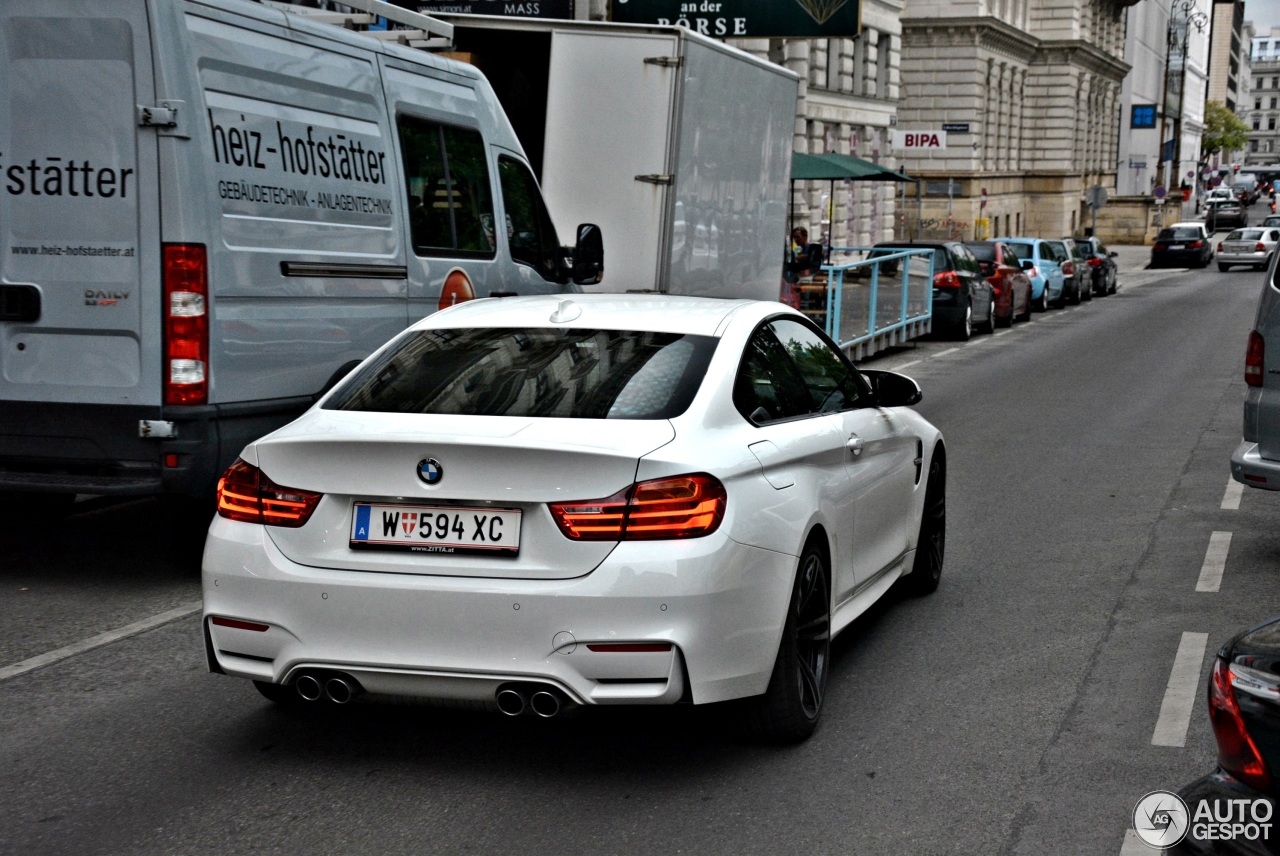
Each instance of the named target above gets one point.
<point>1131,258</point>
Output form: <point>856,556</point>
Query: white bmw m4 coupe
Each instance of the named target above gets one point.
<point>546,502</point>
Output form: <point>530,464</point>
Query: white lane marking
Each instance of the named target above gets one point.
<point>1231,499</point>
<point>947,351</point>
<point>1215,562</point>
<point>98,641</point>
<point>915,362</point>
<point>1180,694</point>
<point>1133,845</point>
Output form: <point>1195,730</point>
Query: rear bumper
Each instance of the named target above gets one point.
<point>720,605</point>
<point>1249,467</point>
<point>52,447</point>
<point>1215,791</point>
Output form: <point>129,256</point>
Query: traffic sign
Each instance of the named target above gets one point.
<point>1160,192</point>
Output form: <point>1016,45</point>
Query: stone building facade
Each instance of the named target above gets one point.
<point>849,93</point>
<point>1263,115</point>
<point>1037,83</point>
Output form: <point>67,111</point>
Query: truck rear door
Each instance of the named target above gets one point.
<point>78,204</point>
<point>627,111</point>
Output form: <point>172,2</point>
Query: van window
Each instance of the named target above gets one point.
<point>530,232</point>
<point>447,181</point>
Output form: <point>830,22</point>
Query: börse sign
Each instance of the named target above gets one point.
<point>913,140</point>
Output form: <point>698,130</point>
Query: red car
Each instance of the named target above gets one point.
<point>1003,269</point>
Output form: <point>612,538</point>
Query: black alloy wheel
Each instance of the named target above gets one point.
<point>790,708</point>
<point>931,546</point>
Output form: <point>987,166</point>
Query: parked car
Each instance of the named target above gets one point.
<point>1271,220</point>
<point>1079,286</point>
<point>497,502</point>
<point>1244,709</point>
<point>1182,245</point>
<point>963,300</point>
<point>1102,263</point>
<point>1253,247</point>
<point>1002,267</point>
<point>1256,461</point>
<point>1042,260</point>
<point>1225,214</point>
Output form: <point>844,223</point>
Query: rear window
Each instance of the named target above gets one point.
<point>1247,235</point>
<point>540,372</point>
<point>1178,235</point>
<point>983,252</point>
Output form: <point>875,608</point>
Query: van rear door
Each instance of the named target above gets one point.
<point>78,205</point>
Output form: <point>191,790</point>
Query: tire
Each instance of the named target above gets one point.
<point>1013,313</point>
<point>926,573</point>
<point>280,694</point>
<point>1074,297</point>
<point>1222,267</point>
<point>1042,304</point>
<point>790,708</point>
<point>964,330</point>
<point>1086,293</point>
<point>989,326</point>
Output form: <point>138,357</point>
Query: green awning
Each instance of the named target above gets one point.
<point>834,167</point>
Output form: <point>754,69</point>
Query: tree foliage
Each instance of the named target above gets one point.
<point>1223,130</point>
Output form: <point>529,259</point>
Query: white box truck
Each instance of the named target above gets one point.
<point>677,145</point>
<point>210,210</point>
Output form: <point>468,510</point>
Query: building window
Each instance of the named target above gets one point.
<point>1253,146</point>
<point>1275,83</point>
<point>1271,123</point>
<point>1257,123</point>
<point>1257,105</point>
<point>1273,103</point>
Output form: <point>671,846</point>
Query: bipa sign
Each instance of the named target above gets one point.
<point>916,140</point>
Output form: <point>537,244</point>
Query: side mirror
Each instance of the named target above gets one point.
<point>1113,254</point>
<point>1027,264</point>
<point>588,255</point>
<point>892,389</point>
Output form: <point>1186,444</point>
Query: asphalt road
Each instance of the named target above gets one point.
<point>1011,712</point>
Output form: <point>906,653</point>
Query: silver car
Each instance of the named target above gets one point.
<point>1253,247</point>
<point>1256,461</point>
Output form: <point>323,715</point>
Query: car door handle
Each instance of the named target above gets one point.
<point>854,445</point>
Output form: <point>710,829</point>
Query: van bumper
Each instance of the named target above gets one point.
<point>67,448</point>
<point>1249,467</point>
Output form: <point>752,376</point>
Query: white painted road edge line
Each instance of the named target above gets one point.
<point>1231,499</point>
<point>916,362</point>
<point>1133,845</point>
<point>1215,562</point>
<point>1180,695</point>
<point>100,640</point>
<point>947,351</point>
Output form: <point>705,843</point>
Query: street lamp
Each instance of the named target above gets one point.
<point>1183,15</point>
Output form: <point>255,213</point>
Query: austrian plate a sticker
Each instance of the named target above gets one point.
<point>446,530</point>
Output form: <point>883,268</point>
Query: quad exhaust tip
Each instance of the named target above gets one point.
<point>542,701</point>
<point>336,688</point>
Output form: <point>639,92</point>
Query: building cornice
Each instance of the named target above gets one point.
<point>995,35</point>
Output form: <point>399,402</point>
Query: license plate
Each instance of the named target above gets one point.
<point>447,530</point>
<point>1239,248</point>
<point>1177,246</point>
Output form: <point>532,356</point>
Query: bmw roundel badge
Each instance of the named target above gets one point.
<point>430,471</point>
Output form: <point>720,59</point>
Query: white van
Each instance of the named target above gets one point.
<point>210,210</point>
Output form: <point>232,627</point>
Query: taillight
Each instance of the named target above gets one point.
<point>679,507</point>
<point>1237,753</point>
<point>245,493</point>
<point>186,324</point>
<point>1219,246</point>
<point>1260,247</point>
<point>457,289</point>
<point>1033,272</point>
<point>1253,353</point>
<point>1095,262</point>
<point>1068,268</point>
<point>1195,245</point>
<point>1160,247</point>
<point>946,279</point>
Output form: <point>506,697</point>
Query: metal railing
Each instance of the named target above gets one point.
<point>875,303</point>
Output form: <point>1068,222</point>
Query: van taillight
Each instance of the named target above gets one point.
<point>1253,354</point>
<point>679,507</point>
<point>1068,268</point>
<point>245,493</point>
<point>186,324</point>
